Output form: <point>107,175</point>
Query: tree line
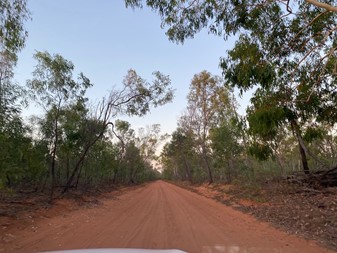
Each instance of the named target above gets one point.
<point>285,52</point>
<point>75,143</point>
<point>214,143</point>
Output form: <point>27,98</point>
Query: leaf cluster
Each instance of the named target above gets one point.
<point>139,94</point>
<point>13,14</point>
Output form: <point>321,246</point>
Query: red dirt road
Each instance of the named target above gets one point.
<point>161,216</point>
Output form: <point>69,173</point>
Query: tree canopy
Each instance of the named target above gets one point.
<point>285,50</point>
<point>13,14</point>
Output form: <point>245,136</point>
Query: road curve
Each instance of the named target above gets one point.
<point>158,216</point>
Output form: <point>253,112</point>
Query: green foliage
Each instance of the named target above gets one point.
<point>260,151</point>
<point>20,159</point>
<point>141,94</point>
<point>99,166</point>
<point>53,83</point>
<point>10,92</point>
<point>13,140</point>
<point>225,143</point>
<point>184,19</point>
<point>122,126</point>
<point>53,88</point>
<point>225,140</point>
<point>250,66</point>
<point>208,133</point>
<point>179,156</point>
<point>312,134</point>
<point>289,59</point>
<point>287,53</point>
<point>209,104</point>
<point>265,121</point>
<point>13,34</point>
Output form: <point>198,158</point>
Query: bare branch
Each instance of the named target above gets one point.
<point>288,7</point>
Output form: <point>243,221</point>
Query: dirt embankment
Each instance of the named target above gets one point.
<point>158,215</point>
<point>303,211</point>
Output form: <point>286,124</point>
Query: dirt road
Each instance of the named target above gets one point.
<point>159,215</point>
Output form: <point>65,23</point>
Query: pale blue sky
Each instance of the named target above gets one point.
<point>104,39</point>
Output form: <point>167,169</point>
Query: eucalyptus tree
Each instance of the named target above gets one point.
<point>209,103</point>
<point>227,145</point>
<point>136,152</point>
<point>98,168</point>
<point>132,162</point>
<point>126,138</point>
<point>74,128</point>
<point>179,155</point>
<point>53,88</point>
<point>185,18</point>
<point>13,152</point>
<point>135,98</point>
<point>10,92</point>
<point>13,14</point>
<point>285,49</point>
<point>12,130</point>
<point>284,97</point>
<point>148,140</point>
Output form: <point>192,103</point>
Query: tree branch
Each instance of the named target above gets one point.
<point>306,26</point>
<point>328,7</point>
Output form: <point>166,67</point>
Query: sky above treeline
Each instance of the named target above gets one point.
<point>104,40</point>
